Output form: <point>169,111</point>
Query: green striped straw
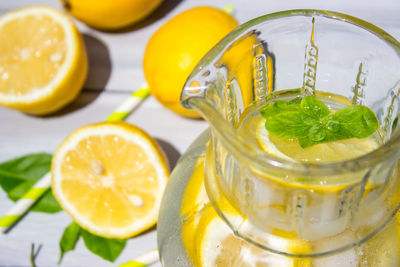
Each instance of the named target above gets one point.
<point>144,260</point>
<point>44,183</point>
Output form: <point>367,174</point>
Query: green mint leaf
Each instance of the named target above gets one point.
<point>359,121</point>
<point>333,126</point>
<point>287,125</point>
<point>19,170</point>
<point>314,108</point>
<point>47,204</point>
<point>29,167</point>
<point>18,175</point>
<point>310,122</point>
<point>296,100</point>
<point>305,142</point>
<point>69,239</point>
<point>317,133</point>
<point>107,248</point>
<point>9,181</point>
<point>280,106</point>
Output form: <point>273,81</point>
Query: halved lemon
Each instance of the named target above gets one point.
<point>110,178</point>
<point>43,62</point>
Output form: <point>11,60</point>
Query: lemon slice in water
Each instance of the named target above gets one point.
<point>217,246</point>
<point>325,152</point>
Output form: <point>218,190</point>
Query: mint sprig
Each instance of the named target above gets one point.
<point>310,121</point>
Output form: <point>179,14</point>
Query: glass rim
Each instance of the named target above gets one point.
<point>254,156</point>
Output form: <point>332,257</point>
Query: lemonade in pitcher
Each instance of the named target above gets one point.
<point>290,177</point>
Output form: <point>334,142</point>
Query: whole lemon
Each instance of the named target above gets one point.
<point>110,14</point>
<point>175,49</point>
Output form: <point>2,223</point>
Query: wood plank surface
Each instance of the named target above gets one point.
<point>115,70</point>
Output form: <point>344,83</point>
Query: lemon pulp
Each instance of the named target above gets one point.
<point>43,62</point>
<point>110,177</point>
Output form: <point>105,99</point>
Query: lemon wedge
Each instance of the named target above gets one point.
<point>110,178</point>
<point>43,62</point>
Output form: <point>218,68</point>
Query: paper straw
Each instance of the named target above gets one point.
<point>144,260</point>
<point>123,110</point>
<point>230,9</point>
<point>25,202</point>
<point>44,183</point>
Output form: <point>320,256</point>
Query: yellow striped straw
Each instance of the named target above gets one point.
<point>43,184</point>
<point>144,260</point>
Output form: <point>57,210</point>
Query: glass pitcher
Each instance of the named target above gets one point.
<point>280,211</point>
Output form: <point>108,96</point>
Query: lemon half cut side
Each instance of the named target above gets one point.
<point>43,62</point>
<point>110,178</point>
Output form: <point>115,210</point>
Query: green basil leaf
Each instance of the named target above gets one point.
<point>18,175</point>
<point>107,248</point>
<point>69,239</point>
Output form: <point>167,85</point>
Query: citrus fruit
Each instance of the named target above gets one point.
<point>326,152</point>
<point>175,49</point>
<point>110,14</point>
<point>247,60</point>
<point>209,241</point>
<point>43,62</point>
<point>332,151</point>
<point>193,200</point>
<point>216,245</point>
<point>110,178</point>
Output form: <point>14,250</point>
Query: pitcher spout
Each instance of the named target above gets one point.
<point>228,80</point>
<point>194,91</point>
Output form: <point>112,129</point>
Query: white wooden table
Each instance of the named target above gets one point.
<point>115,70</point>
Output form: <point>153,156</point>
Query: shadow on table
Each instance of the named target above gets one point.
<point>151,229</point>
<point>165,7</point>
<point>170,151</point>
<point>99,72</point>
